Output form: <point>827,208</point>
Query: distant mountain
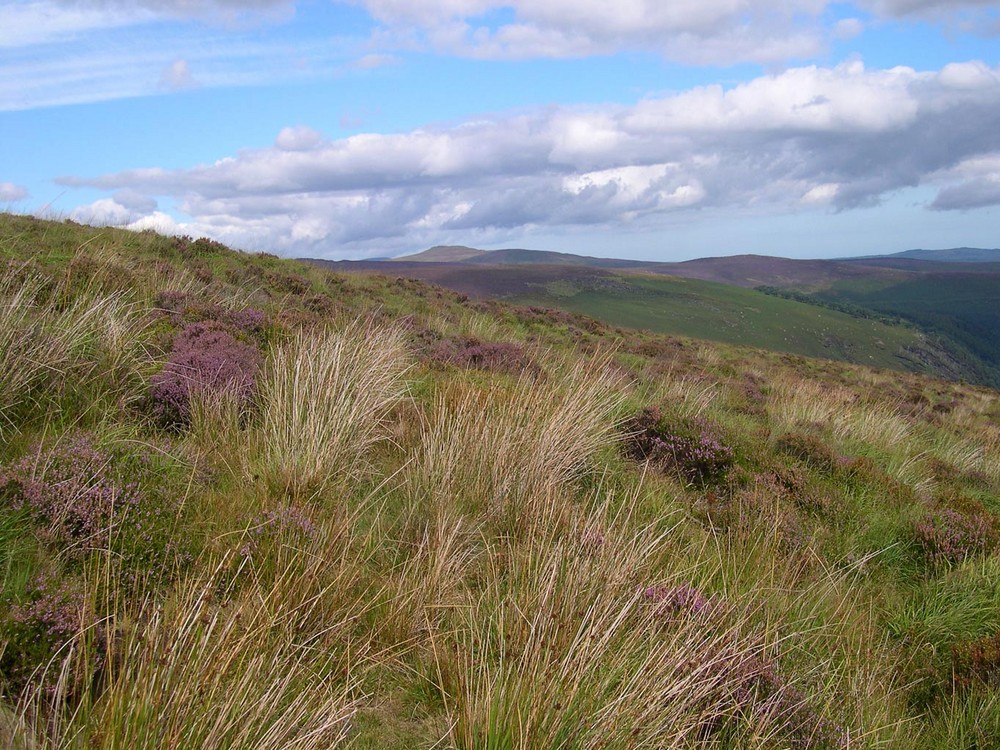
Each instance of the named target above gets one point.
<point>950,297</point>
<point>951,255</point>
<point>442,254</point>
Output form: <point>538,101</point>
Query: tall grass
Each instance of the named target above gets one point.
<point>324,398</point>
<point>213,666</point>
<point>566,648</point>
<point>47,347</point>
<point>497,450</point>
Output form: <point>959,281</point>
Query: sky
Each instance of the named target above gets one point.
<point>648,129</point>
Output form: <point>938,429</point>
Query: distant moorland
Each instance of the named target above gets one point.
<point>933,311</point>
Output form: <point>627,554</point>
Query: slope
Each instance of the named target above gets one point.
<point>246,502</point>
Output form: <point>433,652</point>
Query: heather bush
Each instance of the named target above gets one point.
<point>288,524</point>
<point>807,448</point>
<point>205,359</point>
<point>692,448</point>
<point>497,356</point>
<point>946,536</point>
<point>678,600</point>
<point>36,632</point>
<point>976,662</point>
<point>82,499</point>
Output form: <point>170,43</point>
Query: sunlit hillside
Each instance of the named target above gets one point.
<point>251,503</point>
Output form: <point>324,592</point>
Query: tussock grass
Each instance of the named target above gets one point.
<point>564,648</point>
<point>324,397</point>
<point>213,667</point>
<point>497,450</point>
<point>47,347</point>
<point>795,403</point>
<point>877,424</point>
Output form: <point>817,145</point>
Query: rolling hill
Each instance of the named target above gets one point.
<point>855,311</point>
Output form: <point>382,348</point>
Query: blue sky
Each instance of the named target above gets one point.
<point>638,128</point>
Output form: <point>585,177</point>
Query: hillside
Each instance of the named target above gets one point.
<point>707,310</point>
<point>443,254</point>
<point>251,503</point>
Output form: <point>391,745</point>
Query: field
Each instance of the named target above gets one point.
<point>251,503</point>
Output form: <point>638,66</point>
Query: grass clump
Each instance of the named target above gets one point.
<point>324,398</point>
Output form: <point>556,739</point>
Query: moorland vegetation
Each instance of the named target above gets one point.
<point>250,503</point>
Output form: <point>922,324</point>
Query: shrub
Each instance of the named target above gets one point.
<point>680,599</point>
<point>37,630</point>
<point>976,662</point>
<point>498,356</point>
<point>690,447</point>
<point>82,499</point>
<point>206,360</point>
<point>947,536</point>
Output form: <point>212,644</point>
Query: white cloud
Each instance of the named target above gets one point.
<point>840,137</point>
<point>707,31</point>
<point>699,31</point>
<point>298,138</point>
<point>12,193</point>
<point>102,212</point>
<point>177,76</point>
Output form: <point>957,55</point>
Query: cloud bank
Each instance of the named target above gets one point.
<point>839,137</point>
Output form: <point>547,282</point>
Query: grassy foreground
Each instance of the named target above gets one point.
<point>248,503</point>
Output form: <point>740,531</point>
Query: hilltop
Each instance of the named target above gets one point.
<point>248,502</point>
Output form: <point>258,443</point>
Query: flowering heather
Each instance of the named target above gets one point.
<point>36,629</point>
<point>206,359</point>
<point>693,448</point>
<point>67,491</point>
<point>82,498</point>
<point>948,536</point>
<point>249,320</point>
<point>170,301</point>
<point>753,690</point>
<point>498,356</point>
<point>287,522</point>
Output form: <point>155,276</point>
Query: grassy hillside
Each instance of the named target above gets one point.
<point>729,314</point>
<point>250,503</point>
<point>962,306</point>
<point>705,310</point>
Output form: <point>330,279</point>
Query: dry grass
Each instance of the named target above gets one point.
<point>795,403</point>
<point>562,648</point>
<point>45,348</point>
<point>496,450</point>
<point>876,424</point>
<point>324,397</point>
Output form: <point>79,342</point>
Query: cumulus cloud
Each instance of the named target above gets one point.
<point>12,193</point>
<point>102,212</point>
<point>298,138</point>
<point>840,137</point>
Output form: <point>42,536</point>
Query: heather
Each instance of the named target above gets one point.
<point>250,503</point>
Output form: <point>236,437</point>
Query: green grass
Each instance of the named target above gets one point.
<point>733,315</point>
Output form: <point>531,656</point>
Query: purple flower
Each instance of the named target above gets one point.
<point>205,359</point>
